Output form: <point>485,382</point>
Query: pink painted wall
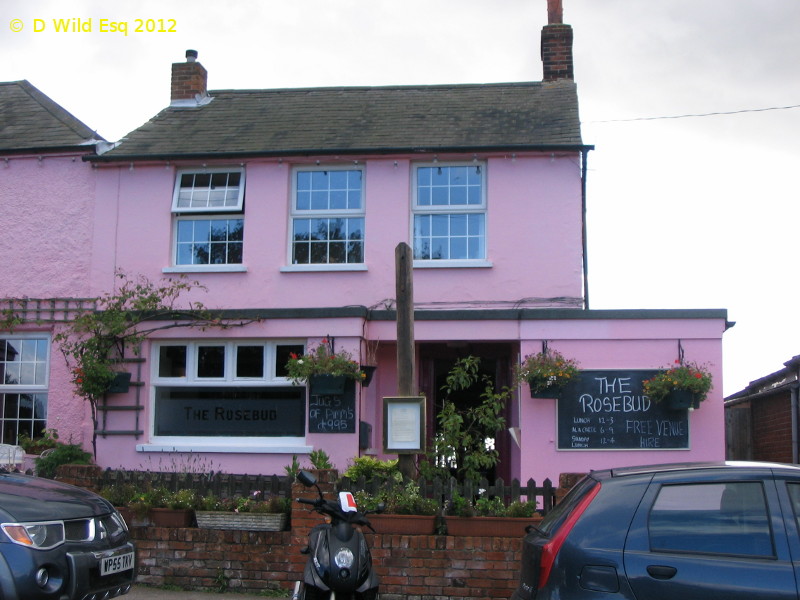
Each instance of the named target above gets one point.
<point>533,237</point>
<point>47,214</point>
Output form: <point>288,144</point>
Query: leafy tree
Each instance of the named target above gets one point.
<point>96,341</point>
<point>460,445</point>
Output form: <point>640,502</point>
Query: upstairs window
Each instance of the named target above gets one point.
<point>209,225</point>
<point>327,216</point>
<point>450,212</point>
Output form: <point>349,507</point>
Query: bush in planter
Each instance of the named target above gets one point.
<point>371,468</point>
<point>119,494</point>
<point>547,372</point>
<point>521,510</point>
<point>61,454</point>
<point>398,500</point>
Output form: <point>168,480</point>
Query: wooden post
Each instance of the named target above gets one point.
<point>406,376</point>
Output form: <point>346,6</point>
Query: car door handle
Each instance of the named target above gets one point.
<point>661,572</point>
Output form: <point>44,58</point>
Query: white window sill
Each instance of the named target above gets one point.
<point>224,448</point>
<point>320,268</point>
<point>452,264</point>
<point>205,269</point>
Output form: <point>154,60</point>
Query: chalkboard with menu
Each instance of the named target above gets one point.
<point>607,410</point>
<point>335,413</point>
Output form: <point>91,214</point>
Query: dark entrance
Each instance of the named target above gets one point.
<point>436,360</point>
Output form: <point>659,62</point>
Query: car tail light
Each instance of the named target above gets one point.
<point>551,548</point>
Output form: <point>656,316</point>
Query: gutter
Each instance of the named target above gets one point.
<point>212,155</point>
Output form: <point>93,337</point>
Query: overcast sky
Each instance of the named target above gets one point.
<point>693,212</point>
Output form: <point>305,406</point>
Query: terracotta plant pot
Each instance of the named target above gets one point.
<point>171,517</point>
<point>403,524</point>
<point>489,526</point>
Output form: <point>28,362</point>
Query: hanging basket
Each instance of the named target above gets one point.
<point>682,400</point>
<point>544,388</point>
<point>327,385</point>
<point>369,371</point>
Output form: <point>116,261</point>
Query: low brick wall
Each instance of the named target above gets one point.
<point>411,567</point>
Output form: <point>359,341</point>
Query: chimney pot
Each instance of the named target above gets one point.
<point>189,79</point>
<point>555,12</point>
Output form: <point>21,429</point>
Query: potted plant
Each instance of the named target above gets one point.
<point>547,373</point>
<point>682,386</point>
<point>173,509</point>
<point>251,513</point>
<point>406,510</point>
<point>489,517</point>
<point>326,371</point>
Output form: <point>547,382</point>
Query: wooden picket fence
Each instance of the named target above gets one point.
<point>224,485</point>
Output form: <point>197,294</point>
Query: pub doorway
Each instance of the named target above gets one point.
<point>436,361</point>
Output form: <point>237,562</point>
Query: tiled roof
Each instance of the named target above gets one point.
<point>362,120</point>
<point>30,121</point>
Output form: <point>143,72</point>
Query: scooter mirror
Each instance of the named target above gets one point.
<point>380,508</point>
<point>306,478</point>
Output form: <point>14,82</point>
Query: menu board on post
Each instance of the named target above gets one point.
<point>607,410</point>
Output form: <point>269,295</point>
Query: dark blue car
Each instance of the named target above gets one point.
<point>721,531</point>
<point>60,542</point>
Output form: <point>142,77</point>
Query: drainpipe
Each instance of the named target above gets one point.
<point>584,241</point>
<point>794,401</point>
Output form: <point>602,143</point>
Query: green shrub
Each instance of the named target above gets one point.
<point>61,454</point>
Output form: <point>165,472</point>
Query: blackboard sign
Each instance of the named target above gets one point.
<point>333,413</point>
<point>230,412</point>
<point>607,410</point>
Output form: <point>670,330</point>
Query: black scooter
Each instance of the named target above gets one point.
<point>339,564</point>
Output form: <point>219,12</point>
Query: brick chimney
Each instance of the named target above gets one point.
<point>189,79</point>
<point>556,45</point>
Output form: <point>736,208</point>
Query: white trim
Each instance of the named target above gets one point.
<point>452,264</point>
<point>232,268</point>
<point>237,208</point>
<point>224,448</point>
<point>317,267</point>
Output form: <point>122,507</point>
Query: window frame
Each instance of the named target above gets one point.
<point>329,213</point>
<point>481,208</point>
<point>35,390</point>
<point>191,380</point>
<point>179,173</point>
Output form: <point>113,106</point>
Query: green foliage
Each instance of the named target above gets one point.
<point>320,459</point>
<point>37,445</point>
<point>490,507</point>
<point>369,468</point>
<point>293,468</point>
<point>119,494</point>
<point>398,500</point>
<point>221,581</point>
<point>460,445</point>
<point>519,509</point>
<point>61,454</point>
<point>322,361</point>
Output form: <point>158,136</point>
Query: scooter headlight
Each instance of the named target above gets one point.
<point>344,558</point>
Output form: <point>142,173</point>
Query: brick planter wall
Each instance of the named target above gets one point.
<point>411,567</point>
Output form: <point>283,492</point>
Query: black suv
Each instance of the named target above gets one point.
<point>60,542</point>
<point>684,531</point>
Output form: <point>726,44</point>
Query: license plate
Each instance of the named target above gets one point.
<point>115,564</point>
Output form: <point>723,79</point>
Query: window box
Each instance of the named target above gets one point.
<point>216,519</point>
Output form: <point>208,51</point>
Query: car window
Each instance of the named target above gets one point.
<point>717,518</point>
<point>553,519</point>
<point>794,495</point>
